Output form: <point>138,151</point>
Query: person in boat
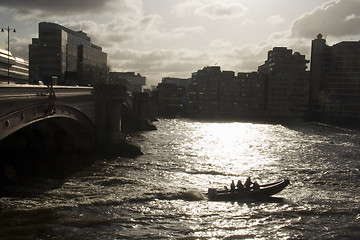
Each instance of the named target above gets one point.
<point>240,186</point>
<point>256,186</point>
<point>232,187</point>
<point>248,184</point>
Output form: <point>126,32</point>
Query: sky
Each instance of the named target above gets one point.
<point>173,38</point>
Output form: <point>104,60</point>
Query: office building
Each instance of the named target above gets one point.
<point>249,98</point>
<point>67,55</point>
<point>335,80</point>
<point>204,92</point>
<point>285,83</point>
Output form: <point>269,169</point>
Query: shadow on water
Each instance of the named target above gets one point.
<point>24,173</point>
<point>26,224</point>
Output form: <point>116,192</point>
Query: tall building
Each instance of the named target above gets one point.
<point>226,94</point>
<point>67,55</point>
<point>286,81</point>
<point>13,69</point>
<point>335,80</point>
<point>250,96</point>
<point>204,92</point>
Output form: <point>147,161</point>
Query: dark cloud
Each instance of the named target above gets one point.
<point>63,6</point>
<point>336,18</point>
<point>42,8</point>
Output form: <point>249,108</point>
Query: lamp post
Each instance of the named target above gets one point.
<point>8,29</point>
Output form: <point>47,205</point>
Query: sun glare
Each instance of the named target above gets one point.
<point>238,147</point>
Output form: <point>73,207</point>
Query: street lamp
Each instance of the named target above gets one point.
<point>8,29</point>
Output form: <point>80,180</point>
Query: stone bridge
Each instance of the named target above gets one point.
<point>53,130</point>
<point>62,117</point>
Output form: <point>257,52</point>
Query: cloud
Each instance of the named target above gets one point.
<point>140,30</point>
<point>275,20</point>
<point>336,18</point>
<point>158,60</point>
<point>119,30</point>
<point>352,17</point>
<point>155,47</point>
<point>158,63</point>
<point>182,31</point>
<point>19,47</point>
<point>246,58</point>
<point>212,9</point>
<point>219,43</point>
<point>45,8</point>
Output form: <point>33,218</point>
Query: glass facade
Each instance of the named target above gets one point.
<point>65,54</point>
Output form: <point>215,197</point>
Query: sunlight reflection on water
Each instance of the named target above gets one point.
<point>232,148</point>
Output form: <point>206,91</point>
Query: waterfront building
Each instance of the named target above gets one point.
<point>67,55</point>
<point>250,94</point>
<point>285,82</point>
<point>335,80</point>
<point>171,99</point>
<point>172,96</point>
<point>226,94</point>
<point>205,85</point>
<point>213,92</point>
<point>13,69</point>
<point>134,82</point>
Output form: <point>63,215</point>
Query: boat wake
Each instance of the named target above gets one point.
<point>186,196</point>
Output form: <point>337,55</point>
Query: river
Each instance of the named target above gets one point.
<point>161,195</point>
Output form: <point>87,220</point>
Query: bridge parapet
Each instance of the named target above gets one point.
<point>14,97</point>
<point>21,105</point>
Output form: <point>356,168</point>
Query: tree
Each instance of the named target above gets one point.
<point>94,74</point>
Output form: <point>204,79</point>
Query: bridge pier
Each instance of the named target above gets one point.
<point>113,120</point>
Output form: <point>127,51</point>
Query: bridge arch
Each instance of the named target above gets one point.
<point>63,118</point>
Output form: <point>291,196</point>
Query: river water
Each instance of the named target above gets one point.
<point>161,195</point>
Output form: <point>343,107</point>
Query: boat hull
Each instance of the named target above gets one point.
<point>264,192</point>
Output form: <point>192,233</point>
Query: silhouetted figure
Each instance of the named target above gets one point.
<point>248,184</point>
<point>232,187</point>
<point>256,186</point>
<point>240,186</point>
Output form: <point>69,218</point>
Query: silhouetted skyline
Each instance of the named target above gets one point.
<point>160,38</point>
